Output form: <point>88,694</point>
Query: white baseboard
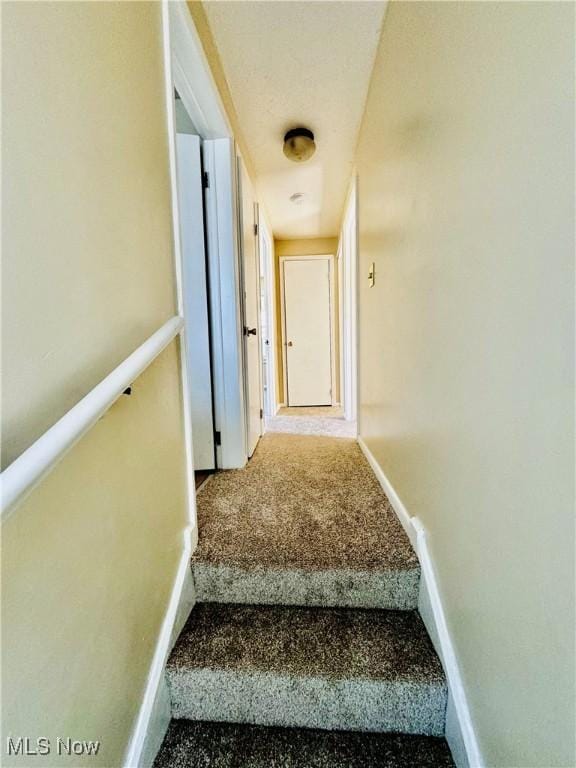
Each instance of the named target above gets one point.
<point>154,716</point>
<point>393,497</point>
<point>158,725</point>
<point>460,733</point>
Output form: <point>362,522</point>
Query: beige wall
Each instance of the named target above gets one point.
<point>88,565</point>
<point>466,190</point>
<point>89,558</point>
<point>301,247</point>
<point>86,224</point>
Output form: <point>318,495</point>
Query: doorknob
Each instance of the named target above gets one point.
<point>290,344</point>
<point>249,331</point>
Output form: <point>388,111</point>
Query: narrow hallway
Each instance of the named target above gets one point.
<point>288,467</point>
<point>307,630</point>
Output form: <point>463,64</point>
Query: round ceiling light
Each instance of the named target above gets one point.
<point>299,145</point>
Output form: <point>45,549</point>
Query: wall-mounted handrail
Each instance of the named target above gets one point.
<point>30,467</point>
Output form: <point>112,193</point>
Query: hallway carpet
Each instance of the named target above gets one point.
<point>305,522</point>
<point>312,420</point>
<point>312,411</point>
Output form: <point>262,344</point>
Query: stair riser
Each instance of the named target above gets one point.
<point>394,590</point>
<point>268,699</point>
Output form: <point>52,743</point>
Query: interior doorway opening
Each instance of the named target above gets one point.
<point>195,276</point>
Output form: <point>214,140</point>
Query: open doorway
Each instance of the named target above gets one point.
<point>216,405</point>
<point>332,291</point>
<point>197,335</point>
<point>250,308</point>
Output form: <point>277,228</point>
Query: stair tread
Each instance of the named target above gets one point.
<point>230,745</point>
<point>331,643</point>
<point>307,503</point>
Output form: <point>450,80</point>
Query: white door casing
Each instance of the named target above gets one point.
<point>307,310</point>
<point>268,316</point>
<point>349,306</point>
<point>195,297</point>
<point>250,304</point>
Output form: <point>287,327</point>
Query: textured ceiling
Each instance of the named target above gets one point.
<point>297,63</point>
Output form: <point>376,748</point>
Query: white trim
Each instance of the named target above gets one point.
<point>244,192</point>
<point>436,624</point>
<point>341,319</point>
<point>393,497</point>
<point>267,247</point>
<point>161,713</point>
<point>333,323</point>
<point>178,267</point>
<point>135,750</point>
<point>194,291</point>
<point>38,460</point>
<point>225,313</point>
<point>348,247</point>
<point>192,76</point>
<point>460,732</point>
<point>309,257</point>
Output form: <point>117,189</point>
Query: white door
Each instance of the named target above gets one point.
<point>308,332</point>
<point>197,331</point>
<point>251,300</point>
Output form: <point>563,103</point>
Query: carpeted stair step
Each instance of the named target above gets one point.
<point>225,745</point>
<point>330,668</point>
<point>337,587</point>
<point>304,523</point>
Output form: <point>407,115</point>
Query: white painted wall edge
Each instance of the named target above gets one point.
<point>151,722</point>
<point>393,497</point>
<point>460,733</point>
<point>161,713</point>
<point>192,74</point>
<point>348,250</point>
<point>224,288</point>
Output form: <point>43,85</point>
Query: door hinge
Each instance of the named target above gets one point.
<point>255,229</point>
<point>206,180</point>
<point>261,413</point>
<point>218,437</point>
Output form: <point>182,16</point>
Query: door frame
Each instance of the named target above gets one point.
<point>188,71</point>
<point>197,336</point>
<point>266,252</point>
<point>348,250</point>
<point>240,172</point>
<point>330,258</point>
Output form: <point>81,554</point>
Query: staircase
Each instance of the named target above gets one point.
<point>305,648</point>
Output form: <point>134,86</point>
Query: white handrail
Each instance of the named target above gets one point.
<point>31,466</point>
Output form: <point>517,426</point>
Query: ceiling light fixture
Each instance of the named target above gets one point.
<point>299,145</point>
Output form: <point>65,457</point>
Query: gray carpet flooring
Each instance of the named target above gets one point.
<point>304,502</point>
<point>280,665</point>
<point>229,745</point>
<point>334,643</point>
<point>331,668</point>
